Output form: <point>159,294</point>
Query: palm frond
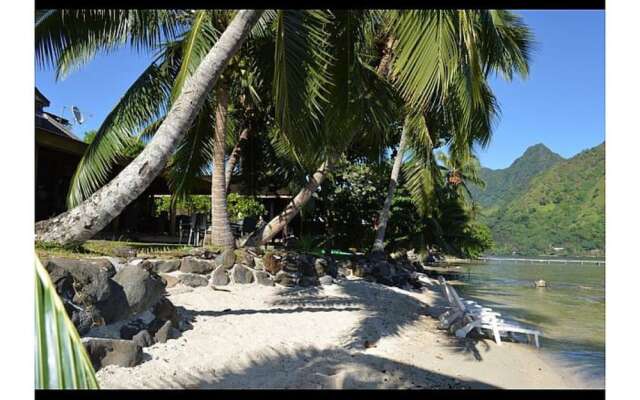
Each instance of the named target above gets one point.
<point>301,76</point>
<point>143,103</point>
<point>192,158</point>
<point>201,36</point>
<point>61,359</point>
<point>68,39</point>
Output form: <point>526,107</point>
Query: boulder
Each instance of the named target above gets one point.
<point>306,268</point>
<point>143,339</point>
<point>326,280</point>
<point>227,259</point>
<point>358,270</point>
<point>244,257</point>
<point>142,288</point>
<point>90,295</point>
<point>321,266</point>
<point>220,276</point>
<point>159,266</point>
<point>193,280</point>
<point>103,352</point>
<point>286,279</point>
<point>307,281</point>
<point>132,328</point>
<point>169,280</point>
<point>263,278</point>
<point>88,279</point>
<point>241,274</point>
<point>164,310</point>
<point>272,263</point>
<point>195,266</point>
<point>163,334</point>
<point>85,318</point>
<point>258,263</point>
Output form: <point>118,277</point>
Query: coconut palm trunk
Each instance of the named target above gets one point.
<point>277,224</point>
<point>234,156</point>
<point>221,234</point>
<point>383,220</point>
<point>84,221</point>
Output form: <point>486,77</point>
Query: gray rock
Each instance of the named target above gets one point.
<point>143,339</point>
<point>241,274</point>
<point>321,266</point>
<point>87,290</point>
<point>90,277</point>
<point>103,352</point>
<point>263,278</point>
<point>358,270</point>
<point>287,279</point>
<point>326,280</point>
<point>226,259</point>
<point>196,266</point>
<point>258,263</point>
<point>84,319</point>
<point>142,288</point>
<point>220,277</point>
<point>193,280</point>
<point>174,333</point>
<point>244,257</point>
<point>164,310</point>
<point>169,280</point>
<point>159,266</point>
<point>132,328</point>
<point>162,335</point>
<point>307,281</point>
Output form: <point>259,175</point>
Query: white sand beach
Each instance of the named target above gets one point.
<point>352,334</point>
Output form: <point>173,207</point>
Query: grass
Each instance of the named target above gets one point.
<point>94,248</point>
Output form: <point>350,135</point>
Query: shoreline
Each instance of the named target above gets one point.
<point>352,334</point>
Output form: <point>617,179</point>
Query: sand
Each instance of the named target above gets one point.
<point>352,334</point>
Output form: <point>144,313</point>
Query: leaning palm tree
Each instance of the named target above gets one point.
<point>142,105</point>
<point>445,56</point>
<point>93,214</point>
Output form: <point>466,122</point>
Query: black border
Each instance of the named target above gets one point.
<point>337,4</point>
<point>319,394</point>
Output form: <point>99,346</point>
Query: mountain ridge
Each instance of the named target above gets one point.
<point>545,204</point>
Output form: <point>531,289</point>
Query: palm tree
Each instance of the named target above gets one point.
<point>93,214</point>
<point>443,57</point>
<point>362,108</point>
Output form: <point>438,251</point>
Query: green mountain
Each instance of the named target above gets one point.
<point>504,185</point>
<point>558,210</point>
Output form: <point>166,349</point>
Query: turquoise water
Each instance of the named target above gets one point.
<point>570,311</point>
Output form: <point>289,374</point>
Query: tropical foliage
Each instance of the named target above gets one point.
<point>314,87</point>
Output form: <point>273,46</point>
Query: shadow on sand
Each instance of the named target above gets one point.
<point>310,368</point>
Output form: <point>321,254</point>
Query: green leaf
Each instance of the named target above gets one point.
<point>61,359</point>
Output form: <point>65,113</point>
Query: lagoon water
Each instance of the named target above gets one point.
<point>570,311</point>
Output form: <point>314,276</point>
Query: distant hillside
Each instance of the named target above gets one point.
<point>559,210</point>
<point>504,185</point>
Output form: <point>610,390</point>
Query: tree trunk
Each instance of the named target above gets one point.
<point>221,234</point>
<point>278,223</point>
<point>84,221</point>
<point>233,157</point>
<point>383,220</point>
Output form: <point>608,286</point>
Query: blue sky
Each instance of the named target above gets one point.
<point>561,104</point>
